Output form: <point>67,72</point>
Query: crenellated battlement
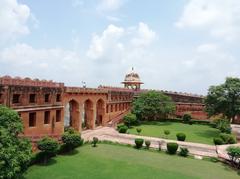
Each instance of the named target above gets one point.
<point>18,81</point>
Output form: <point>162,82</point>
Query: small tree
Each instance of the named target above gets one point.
<point>234,155</point>
<point>130,119</point>
<point>48,147</point>
<point>71,140</point>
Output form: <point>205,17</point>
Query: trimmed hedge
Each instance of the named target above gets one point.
<point>181,136</point>
<point>123,129</point>
<point>172,147</point>
<point>183,152</point>
<point>228,138</point>
<point>139,143</point>
<point>147,143</point>
<point>218,141</point>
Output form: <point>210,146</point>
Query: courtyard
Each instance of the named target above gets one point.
<point>197,133</point>
<point>115,161</point>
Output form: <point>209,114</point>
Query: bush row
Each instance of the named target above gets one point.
<point>50,147</point>
<point>172,147</point>
<point>224,139</point>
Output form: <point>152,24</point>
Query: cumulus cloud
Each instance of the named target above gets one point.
<point>120,41</point>
<point>220,17</point>
<point>107,42</point>
<point>14,18</point>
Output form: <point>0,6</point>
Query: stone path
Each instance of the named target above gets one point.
<point>110,134</point>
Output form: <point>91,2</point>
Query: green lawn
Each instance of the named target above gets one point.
<point>113,161</point>
<point>194,133</point>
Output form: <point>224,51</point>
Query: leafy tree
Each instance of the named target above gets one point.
<point>15,152</point>
<point>224,99</point>
<point>71,139</point>
<point>48,147</point>
<point>153,105</point>
<point>130,119</point>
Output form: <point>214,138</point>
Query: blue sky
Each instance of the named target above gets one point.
<point>178,45</point>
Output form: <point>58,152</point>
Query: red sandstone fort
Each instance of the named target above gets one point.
<point>46,107</point>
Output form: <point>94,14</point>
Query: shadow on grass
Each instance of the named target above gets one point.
<point>157,123</point>
<point>73,152</point>
<point>207,133</point>
<point>51,161</point>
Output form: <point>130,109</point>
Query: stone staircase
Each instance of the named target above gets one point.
<point>117,119</point>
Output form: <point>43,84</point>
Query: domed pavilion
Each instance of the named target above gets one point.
<point>132,80</point>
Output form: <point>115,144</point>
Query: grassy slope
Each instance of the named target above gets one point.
<point>112,161</point>
<point>195,133</point>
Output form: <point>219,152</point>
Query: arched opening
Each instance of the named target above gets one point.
<point>72,116</point>
<point>100,112</point>
<point>88,115</point>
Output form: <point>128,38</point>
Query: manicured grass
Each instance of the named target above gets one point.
<point>195,133</point>
<point>114,161</point>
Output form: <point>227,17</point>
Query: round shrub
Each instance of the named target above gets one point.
<point>186,117</point>
<point>181,136</point>
<point>123,129</point>
<point>147,143</point>
<point>183,152</point>
<point>48,147</point>
<point>139,130</point>
<point>218,141</point>
<point>166,132</point>
<point>95,141</point>
<point>71,140</point>
<point>139,143</point>
<point>172,147</point>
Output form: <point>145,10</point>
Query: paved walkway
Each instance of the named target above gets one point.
<point>110,134</point>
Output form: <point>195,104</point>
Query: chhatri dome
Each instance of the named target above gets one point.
<point>132,80</point>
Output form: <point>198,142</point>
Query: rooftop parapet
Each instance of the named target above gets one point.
<point>112,88</point>
<point>17,81</point>
<point>84,90</point>
<point>174,93</point>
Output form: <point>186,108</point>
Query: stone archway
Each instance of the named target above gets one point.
<point>100,112</point>
<point>88,115</point>
<point>72,115</point>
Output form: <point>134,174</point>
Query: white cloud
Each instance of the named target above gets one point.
<point>220,17</point>
<point>144,35</point>
<point>14,18</point>
<point>120,42</point>
<point>110,5</point>
<point>107,42</point>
